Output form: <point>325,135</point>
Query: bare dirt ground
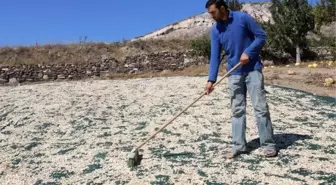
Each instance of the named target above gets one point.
<point>306,79</point>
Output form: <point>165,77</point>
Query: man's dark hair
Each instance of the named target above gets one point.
<point>219,3</point>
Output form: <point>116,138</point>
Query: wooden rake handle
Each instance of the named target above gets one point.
<point>204,93</point>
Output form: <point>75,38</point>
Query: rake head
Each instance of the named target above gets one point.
<point>134,159</point>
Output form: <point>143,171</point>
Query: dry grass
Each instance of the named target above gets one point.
<point>88,52</point>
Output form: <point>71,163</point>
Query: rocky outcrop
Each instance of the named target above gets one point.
<point>154,62</point>
<point>260,11</point>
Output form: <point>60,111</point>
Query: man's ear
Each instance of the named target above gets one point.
<point>222,9</point>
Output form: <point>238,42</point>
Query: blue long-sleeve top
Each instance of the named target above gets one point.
<point>239,33</point>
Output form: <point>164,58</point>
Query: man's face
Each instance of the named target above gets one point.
<point>216,14</point>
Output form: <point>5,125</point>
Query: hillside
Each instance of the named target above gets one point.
<point>198,25</point>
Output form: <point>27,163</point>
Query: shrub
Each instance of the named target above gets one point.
<point>201,46</point>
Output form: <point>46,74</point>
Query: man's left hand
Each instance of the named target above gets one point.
<point>244,59</point>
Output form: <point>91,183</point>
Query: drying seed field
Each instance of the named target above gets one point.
<point>80,132</point>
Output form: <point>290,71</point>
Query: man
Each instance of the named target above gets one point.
<point>242,39</point>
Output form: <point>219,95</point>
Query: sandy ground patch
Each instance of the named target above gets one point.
<point>81,132</point>
<point>306,79</point>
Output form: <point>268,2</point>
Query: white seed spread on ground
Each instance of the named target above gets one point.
<point>81,132</point>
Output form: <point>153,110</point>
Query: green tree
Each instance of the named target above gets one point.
<point>324,12</point>
<point>201,46</point>
<point>234,5</point>
<point>292,20</point>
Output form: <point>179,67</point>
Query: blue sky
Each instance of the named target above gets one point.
<point>64,21</point>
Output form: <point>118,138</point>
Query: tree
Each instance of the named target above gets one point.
<point>324,12</point>
<point>293,19</point>
<point>202,46</point>
<point>234,5</point>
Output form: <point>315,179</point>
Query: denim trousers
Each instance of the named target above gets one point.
<point>239,85</point>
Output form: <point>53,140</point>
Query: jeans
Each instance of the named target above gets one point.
<point>253,83</point>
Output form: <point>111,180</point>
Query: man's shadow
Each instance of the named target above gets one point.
<point>283,141</point>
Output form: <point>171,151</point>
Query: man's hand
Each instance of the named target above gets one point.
<point>244,59</point>
<point>209,88</point>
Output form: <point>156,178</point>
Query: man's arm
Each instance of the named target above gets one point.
<point>260,36</point>
<point>215,55</point>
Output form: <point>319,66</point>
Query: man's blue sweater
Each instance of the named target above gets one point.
<point>239,33</point>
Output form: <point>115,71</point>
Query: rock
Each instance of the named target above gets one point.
<point>291,72</point>
<point>104,58</point>
<point>104,73</point>
<point>88,72</point>
<point>186,61</point>
<point>45,77</point>
<point>13,81</point>
<point>146,61</point>
<point>70,77</point>
<point>4,69</point>
<point>297,64</point>
<point>134,70</point>
<point>47,71</point>
<point>166,71</point>
<point>40,75</point>
<point>95,77</point>
<point>61,76</point>
<point>3,81</point>
<point>268,62</point>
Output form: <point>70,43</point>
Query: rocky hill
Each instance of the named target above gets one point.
<point>200,24</point>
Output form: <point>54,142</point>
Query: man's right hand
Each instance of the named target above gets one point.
<point>209,88</point>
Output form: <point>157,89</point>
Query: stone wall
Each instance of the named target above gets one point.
<point>154,62</point>
<point>324,53</point>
